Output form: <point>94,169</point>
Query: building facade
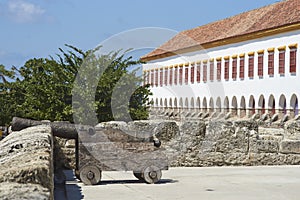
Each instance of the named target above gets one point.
<point>243,65</point>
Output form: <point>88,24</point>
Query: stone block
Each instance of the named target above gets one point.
<point>290,147</point>
<point>26,164</point>
<point>264,146</point>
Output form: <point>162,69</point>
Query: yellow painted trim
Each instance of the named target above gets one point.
<point>251,53</point>
<point>175,66</point>
<point>226,57</point>
<point>204,61</point>
<point>192,63</point>
<point>186,64</point>
<point>171,66</point>
<point>181,65</point>
<point>219,59</point>
<point>234,56</point>
<point>242,55</point>
<point>271,49</point>
<point>211,60</point>
<point>293,45</point>
<point>230,40</point>
<point>198,62</point>
<point>282,48</point>
<point>261,51</point>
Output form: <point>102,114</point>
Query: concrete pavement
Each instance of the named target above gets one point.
<point>234,183</point>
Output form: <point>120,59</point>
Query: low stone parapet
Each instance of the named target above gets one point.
<point>26,164</point>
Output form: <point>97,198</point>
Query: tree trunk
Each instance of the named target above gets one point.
<point>59,129</point>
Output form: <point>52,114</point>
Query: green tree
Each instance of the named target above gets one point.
<point>44,88</point>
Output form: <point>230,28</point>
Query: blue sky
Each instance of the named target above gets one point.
<point>37,28</point>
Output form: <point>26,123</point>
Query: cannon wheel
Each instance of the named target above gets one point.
<point>138,175</point>
<point>77,174</point>
<point>152,174</point>
<point>90,175</point>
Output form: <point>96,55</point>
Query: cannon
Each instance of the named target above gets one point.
<point>101,149</point>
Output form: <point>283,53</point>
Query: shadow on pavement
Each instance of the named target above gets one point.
<point>112,182</point>
<point>74,192</point>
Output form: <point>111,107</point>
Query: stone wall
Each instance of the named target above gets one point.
<point>215,142</point>
<point>26,164</point>
<point>239,142</point>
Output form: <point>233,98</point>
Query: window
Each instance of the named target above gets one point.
<point>186,73</point>
<point>161,76</point>
<point>260,65</point>
<point>242,66</point>
<point>271,63</point>
<point>192,73</point>
<point>152,78</point>
<point>156,77</point>
<point>148,77</point>
<point>171,76</point>
<point>175,75</point>
<point>293,59</point>
<point>145,78</point>
<point>219,69</point>
<point>198,72</point>
<point>282,62</point>
<point>166,76</point>
<point>251,66</point>
<point>234,68</point>
<point>205,71</point>
<point>211,70</point>
<point>180,74</point>
<point>226,69</point>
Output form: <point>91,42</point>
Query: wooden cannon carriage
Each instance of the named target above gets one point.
<point>109,149</point>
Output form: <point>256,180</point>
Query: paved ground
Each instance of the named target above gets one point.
<point>242,183</point>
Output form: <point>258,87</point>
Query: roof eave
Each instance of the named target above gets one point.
<point>229,40</point>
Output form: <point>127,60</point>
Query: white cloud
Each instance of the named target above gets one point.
<point>22,11</point>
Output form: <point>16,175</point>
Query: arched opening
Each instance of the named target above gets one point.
<point>170,103</point>
<point>282,104</point>
<point>204,104</point>
<point>192,103</point>
<point>161,103</point>
<point>156,102</point>
<point>211,105</point>
<point>180,103</point>
<point>243,107</point>
<point>198,105</point>
<point>294,104</point>
<point>252,105</point>
<point>175,103</point>
<point>186,103</point>
<point>152,102</point>
<point>166,103</point>
<point>234,106</point>
<point>271,105</point>
<point>218,104</point>
<point>226,105</point>
<point>261,104</point>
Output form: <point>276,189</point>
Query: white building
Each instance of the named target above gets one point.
<point>244,64</point>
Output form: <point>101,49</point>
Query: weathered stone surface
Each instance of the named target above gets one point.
<point>292,126</point>
<point>217,142</point>
<point>64,154</point>
<point>17,191</point>
<point>292,130</point>
<point>290,146</point>
<point>26,164</point>
<point>264,146</point>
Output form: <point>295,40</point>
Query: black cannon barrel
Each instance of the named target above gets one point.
<point>59,129</point>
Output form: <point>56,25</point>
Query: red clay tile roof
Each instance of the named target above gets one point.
<point>269,17</point>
